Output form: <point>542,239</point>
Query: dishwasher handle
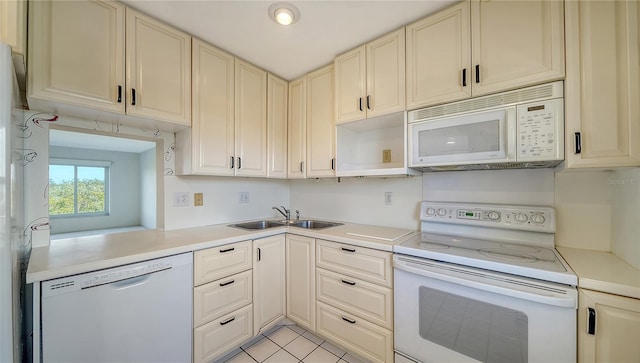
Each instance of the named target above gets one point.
<point>126,281</point>
<point>486,282</point>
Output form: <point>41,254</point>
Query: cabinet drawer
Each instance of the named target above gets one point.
<point>355,334</point>
<point>212,300</point>
<point>222,335</point>
<point>360,298</point>
<point>359,262</point>
<point>215,263</point>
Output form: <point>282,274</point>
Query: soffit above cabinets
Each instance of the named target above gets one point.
<point>325,28</point>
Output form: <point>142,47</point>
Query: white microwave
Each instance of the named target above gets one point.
<point>516,129</point>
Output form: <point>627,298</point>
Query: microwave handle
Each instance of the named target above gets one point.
<point>578,142</point>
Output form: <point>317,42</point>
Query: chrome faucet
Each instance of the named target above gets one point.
<point>285,212</point>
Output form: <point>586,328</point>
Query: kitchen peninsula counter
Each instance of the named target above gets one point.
<point>77,255</point>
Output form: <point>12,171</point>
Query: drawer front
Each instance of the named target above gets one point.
<point>360,298</point>
<point>215,263</point>
<point>221,335</point>
<point>359,262</point>
<point>220,297</point>
<point>355,334</point>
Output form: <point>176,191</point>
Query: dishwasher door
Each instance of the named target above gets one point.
<point>135,313</point>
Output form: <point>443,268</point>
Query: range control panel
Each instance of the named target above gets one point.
<point>520,217</point>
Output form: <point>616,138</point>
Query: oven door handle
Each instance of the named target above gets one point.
<point>482,281</point>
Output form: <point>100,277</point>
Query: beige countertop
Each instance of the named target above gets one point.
<point>77,255</point>
<point>603,271</point>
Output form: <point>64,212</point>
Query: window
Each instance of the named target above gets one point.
<point>78,187</point>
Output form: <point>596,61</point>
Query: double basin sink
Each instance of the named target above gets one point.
<point>306,223</point>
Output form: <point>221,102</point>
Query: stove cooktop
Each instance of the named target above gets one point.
<point>523,260</point>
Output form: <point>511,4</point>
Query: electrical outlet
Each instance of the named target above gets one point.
<point>386,155</point>
<point>198,199</point>
<point>180,199</point>
<point>244,197</point>
<point>387,198</point>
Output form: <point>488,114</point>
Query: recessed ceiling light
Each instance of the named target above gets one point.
<point>284,13</point>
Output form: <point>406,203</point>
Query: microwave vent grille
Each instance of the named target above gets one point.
<point>544,91</point>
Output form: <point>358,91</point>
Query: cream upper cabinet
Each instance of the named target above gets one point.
<point>301,281</point>
<point>602,87</point>
<point>208,147</point>
<point>297,135</point>
<point>480,47</point>
<point>439,58</point>
<point>613,333</point>
<point>268,282</point>
<point>76,53</point>
<point>516,43</point>
<point>277,100</point>
<point>370,80</point>
<point>158,60</point>
<point>321,130</point>
<point>251,120</point>
<point>13,25</point>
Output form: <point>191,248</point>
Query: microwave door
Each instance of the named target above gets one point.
<point>466,139</point>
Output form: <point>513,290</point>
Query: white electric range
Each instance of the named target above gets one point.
<point>484,283</point>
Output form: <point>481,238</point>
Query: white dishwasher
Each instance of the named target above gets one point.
<point>140,312</point>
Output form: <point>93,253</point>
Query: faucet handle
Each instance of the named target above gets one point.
<point>297,215</point>
<point>285,209</point>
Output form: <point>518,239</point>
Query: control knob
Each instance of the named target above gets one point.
<point>537,218</point>
<point>493,215</point>
<point>521,217</point>
<point>431,211</point>
<point>441,212</point>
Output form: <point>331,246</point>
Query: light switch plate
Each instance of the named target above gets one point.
<point>180,199</point>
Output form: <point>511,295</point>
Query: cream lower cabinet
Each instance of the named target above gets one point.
<point>602,87</point>
<point>321,132</point>
<point>268,282</point>
<point>301,280</point>
<point>222,299</point>
<point>355,299</point>
<point>608,328</point>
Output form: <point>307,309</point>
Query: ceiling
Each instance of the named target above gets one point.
<point>324,30</point>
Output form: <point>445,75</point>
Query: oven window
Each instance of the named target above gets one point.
<point>482,331</point>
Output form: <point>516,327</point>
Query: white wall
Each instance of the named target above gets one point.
<point>360,200</point>
<point>221,200</point>
<point>148,176</point>
<point>583,210</point>
<point>124,191</point>
<point>625,190</point>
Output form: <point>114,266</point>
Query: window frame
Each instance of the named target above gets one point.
<point>85,163</point>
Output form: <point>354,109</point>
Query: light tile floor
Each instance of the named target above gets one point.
<point>288,343</point>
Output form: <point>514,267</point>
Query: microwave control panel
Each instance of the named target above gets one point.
<point>540,131</point>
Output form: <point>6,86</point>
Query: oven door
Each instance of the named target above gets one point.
<point>479,137</point>
<point>451,313</point>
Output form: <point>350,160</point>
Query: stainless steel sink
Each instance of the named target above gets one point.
<point>312,224</point>
<point>258,225</point>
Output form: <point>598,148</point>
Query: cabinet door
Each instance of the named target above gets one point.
<point>350,86</point>
<point>13,25</point>
<point>321,131</point>
<point>386,74</point>
<point>158,70</point>
<point>268,282</point>
<point>516,43</point>
<point>251,120</point>
<point>297,137</point>
<point>76,53</point>
<point>277,100</point>
<point>438,57</point>
<point>602,85</point>
<point>301,294</point>
<point>212,133</point>
<point>617,328</point>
